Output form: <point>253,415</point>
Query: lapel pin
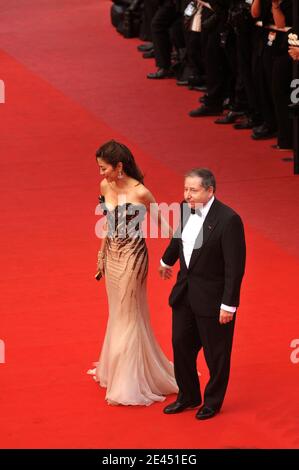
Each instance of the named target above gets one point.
<point>210,227</point>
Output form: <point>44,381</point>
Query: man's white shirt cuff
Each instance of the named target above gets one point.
<point>163,264</point>
<point>228,308</point>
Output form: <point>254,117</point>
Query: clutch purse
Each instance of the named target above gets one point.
<point>98,276</point>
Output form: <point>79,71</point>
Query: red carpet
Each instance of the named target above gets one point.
<point>72,83</point>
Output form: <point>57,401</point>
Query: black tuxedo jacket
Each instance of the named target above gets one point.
<point>216,267</point>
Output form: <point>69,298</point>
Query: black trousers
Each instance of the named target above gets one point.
<point>235,85</point>
<point>194,53</point>
<point>246,62</point>
<point>164,18</point>
<point>190,333</point>
<point>217,68</point>
<point>149,10</point>
<point>265,76</point>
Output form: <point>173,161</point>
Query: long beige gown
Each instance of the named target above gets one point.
<point>132,365</point>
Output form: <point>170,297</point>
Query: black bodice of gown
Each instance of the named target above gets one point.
<point>124,220</point>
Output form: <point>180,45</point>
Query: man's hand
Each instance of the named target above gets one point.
<point>225,317</point>
<point>165,273</point>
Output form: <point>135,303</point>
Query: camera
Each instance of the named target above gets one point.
<point>190,10</point>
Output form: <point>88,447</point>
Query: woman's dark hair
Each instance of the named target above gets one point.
<point>113,152</point>
<point>207,177</point>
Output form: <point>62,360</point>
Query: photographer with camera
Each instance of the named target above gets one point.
<point>149,9</point>
<point>193,66</point>
<point>242,98</point>
<point>274,70</point>
<point>242,23</point>
<point>169,15</point>
<point>215,40</point>
<point>282,75</point>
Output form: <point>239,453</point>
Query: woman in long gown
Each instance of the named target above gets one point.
<point>132,365</point>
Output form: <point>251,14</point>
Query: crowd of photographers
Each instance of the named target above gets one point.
<point>239,52</point>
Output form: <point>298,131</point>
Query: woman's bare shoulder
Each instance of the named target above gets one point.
<point>144,193</point>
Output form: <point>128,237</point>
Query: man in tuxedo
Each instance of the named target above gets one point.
<point>210,245</point>
<point>168,14</point>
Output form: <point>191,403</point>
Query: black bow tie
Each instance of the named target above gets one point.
<point>196,211</point>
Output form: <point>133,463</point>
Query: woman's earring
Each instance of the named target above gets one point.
<point>120,175</point>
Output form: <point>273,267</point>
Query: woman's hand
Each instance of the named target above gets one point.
<point>101,262</point>
<point>101,267</point>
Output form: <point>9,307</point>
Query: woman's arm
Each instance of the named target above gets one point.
<point>256,9</point>
<point>156,214</point>
<point>279,18</point>
<point>102,250</point>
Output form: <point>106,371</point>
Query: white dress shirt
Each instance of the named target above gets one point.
<point>189,235</point>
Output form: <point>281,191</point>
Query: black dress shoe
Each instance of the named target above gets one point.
<point>246,123</point>
<point>198,87</point>
<point>263,132</point>
<point>259,127</point>
<point>205,110</point>
<point>182,82</point>
<point>205,413</point>
<point>149,54</point>
<point>161,73</point>
<point>145,47</point>
<point>178,407</point>
<point>229,118</point>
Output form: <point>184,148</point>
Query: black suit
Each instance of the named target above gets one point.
<point>166,17</point>
<point>213,278</point>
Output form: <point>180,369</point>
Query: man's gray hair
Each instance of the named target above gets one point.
<point>207,177</point>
